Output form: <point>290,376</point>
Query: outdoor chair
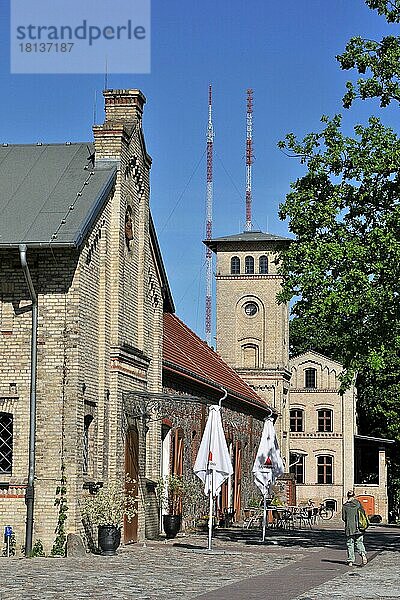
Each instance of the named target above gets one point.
<point>253,517</point>
<point>283,519</point>
<point>304,516</point>
<point>226,517</point>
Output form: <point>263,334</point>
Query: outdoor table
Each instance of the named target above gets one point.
<point>252,516</point>
<point>285,517</point>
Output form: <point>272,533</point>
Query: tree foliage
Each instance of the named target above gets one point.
<point>343,269</point>
<point>377,61</point>
<point>345,263</point>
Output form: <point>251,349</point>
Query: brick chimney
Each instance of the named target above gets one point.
<point>123,106</point>
<point>124,109</point>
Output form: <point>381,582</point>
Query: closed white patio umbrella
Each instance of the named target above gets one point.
<point>213,463</point>
<point>268,464</point>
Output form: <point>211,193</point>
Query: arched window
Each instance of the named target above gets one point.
<point>310,378</point>
<point>263,265</point>
<point>324,469</point>
<point>235,265</point>
<point>86,426</point>
<point>296,419</point>
<point>249,265</point>
<point>325,420</point>
<point>250,356</point>
<point>6,443</point>
<point>296,466</point>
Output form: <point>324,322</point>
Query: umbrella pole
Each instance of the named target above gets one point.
<point>210,516</point>
<point>264,515</point>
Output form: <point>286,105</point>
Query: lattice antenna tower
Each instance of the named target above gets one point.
<point>249,158</point>
<point>209,207</point>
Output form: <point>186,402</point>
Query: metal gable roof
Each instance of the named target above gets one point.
<point>50,193</point>
<point>246,236</point>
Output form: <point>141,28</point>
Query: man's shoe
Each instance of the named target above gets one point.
<point>350,564</point>
<point>364,559</point>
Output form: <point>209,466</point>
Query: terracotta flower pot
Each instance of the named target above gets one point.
<point>109,539</point>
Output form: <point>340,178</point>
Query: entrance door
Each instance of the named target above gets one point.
<point>368,504</point>
<point>131,467</point>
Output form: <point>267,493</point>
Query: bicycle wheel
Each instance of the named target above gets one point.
<point>325,513</point>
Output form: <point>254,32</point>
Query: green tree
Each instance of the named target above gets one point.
<point>377,61</point>
<point>343,268</point>
<point>345,263</point>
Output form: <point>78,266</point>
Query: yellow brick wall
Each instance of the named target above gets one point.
<point>99,337</point>
<point>267,329</point>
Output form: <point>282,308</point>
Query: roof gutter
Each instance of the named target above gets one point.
<point>29,496</point>
<point>173,368</point>
<point>39,245</point>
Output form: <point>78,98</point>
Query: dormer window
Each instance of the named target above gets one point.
<point>235,265</point>
<point>249,265</point>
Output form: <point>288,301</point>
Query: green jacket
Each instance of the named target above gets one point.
<point>350,517</point>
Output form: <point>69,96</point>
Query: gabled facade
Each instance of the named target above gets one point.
<point>83,214</point>
<point>195,376</point>
<point>325,448</point>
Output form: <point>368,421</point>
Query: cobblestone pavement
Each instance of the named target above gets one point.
<point>293,563</point>
<point>156,571</point>
<point>378,580</point>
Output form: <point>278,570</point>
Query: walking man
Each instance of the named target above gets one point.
<point>354,535</point>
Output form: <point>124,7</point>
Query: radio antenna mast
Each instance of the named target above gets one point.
<point>249,158</point>
<point>209,206</point>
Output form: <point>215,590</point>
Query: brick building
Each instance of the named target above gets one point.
<point>252,328</point>
<point>316,426</point>
<point>79,214</point>
<point>328,457</point>
<point>197,376</point>
<point>83,213</point>
<point>108,398</point>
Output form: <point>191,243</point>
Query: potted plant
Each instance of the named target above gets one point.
<point>171,491</point>
<point>107,509</point>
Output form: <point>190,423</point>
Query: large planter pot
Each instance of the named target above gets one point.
<point>172,524</point>
<point>109,539</point>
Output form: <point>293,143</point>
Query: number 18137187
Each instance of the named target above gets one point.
<point>46,47</point>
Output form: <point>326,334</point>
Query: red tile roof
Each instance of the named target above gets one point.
<point>185,352</point>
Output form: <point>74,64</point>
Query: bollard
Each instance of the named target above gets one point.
<point>7,538</point>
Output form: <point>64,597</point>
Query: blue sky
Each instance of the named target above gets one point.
<point>284,51</point>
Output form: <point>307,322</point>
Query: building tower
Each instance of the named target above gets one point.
<point>252,328</point>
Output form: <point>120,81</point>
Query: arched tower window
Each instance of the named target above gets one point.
<point>235,265</point>
<point>249,265</point>
<point>263,265</point>
<point>250,356</point>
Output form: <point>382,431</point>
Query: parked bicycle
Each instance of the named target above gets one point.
<point>325,512</point>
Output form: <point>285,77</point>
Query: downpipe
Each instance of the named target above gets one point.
<point>29,495</point>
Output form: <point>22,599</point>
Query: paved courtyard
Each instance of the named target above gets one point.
<point>302,564</point>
